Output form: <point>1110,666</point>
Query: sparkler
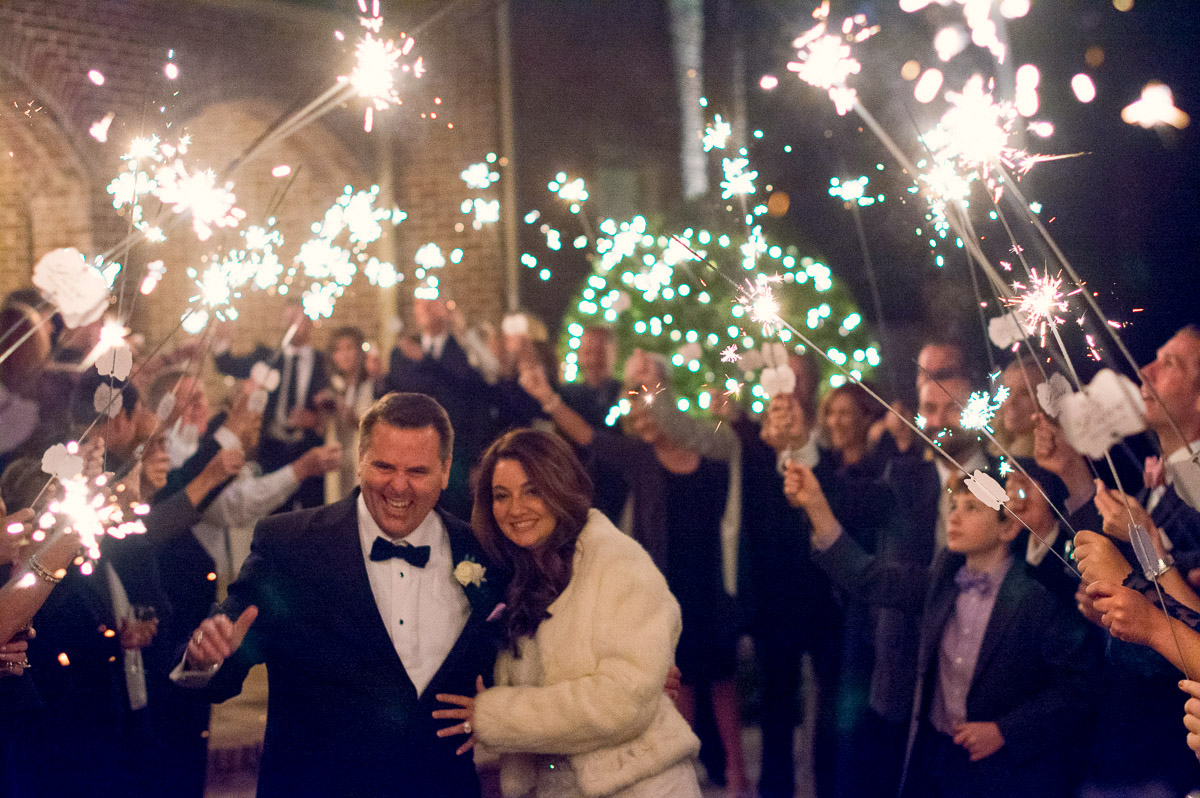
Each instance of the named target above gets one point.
<point>981,407</point>
<point>1155,107</point>
<point>737,182</point>
<point>825,60</point>
<point>377,62</point>
<point>717,134</point>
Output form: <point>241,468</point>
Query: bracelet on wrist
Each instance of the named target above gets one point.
<point>39,570</point>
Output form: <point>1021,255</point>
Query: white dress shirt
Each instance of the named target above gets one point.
<point>433,345</point>
<point>243,502</point>
<point>424,609</point>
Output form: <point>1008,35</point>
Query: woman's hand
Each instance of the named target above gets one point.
<point>13,657</point>
<point>1099,560</point>
<point>1191,718</point>
<point>1117,508</point>
<point>1127,614</point>
<point>465,713</point>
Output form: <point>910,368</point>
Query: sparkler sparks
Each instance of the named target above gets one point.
<point>737,182</point>
<point>717,134</point>
<point>211,205</point>
<point>1155,107</point>
<point>1041,303</point>
<point>825,60</point>
<point>757,299</point>
<point>377,62</point>
<point>981,407</point>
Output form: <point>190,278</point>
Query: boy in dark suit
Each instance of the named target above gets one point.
<point>1002,677</point>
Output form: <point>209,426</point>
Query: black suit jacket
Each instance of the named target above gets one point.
<point>468,400</point>
<point>343,717</point>
<point>274,454</point>
<point>1033,677</point>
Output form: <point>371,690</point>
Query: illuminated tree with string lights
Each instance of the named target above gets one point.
<point>652,289</point>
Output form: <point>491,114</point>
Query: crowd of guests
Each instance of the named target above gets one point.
<point>955,649</point>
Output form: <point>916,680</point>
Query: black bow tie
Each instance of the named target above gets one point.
<point>384,550</point>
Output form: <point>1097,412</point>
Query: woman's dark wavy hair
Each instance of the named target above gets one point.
<point>537,576</point>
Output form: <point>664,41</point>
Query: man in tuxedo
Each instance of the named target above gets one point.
<point>363,611</point>
<point>292,419</point>
<point>437,365</point>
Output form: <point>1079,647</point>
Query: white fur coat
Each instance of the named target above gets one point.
<point>589,684</point>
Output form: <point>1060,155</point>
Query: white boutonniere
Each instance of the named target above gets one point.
<point>469,572</point>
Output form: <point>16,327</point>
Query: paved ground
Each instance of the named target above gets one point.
<point>237,730</point>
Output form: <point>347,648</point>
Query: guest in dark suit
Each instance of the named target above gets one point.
<point>1002,676</point>
<point>1045,549</point>
<point>363,611</point>
<point>592,397</point>
<point>437,365</point>
<point>292,419</point>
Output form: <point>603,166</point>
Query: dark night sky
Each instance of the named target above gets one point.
<point>1125,212</point>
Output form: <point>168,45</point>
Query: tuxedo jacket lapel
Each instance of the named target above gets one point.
<point>482,599</point>
<point>1008,601</point>
<point>349,572</point>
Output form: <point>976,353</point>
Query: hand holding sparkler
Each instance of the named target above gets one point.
<point>785,426</point>
<point>1129,616</point>
<point>216,638</point>
<point>803,490</point>
<point>533,380</point>
<point>135,634</point>
<point>317,461</point>
<point>1116,508</point>
<point>893,424</point>
<point>13,657</point>
<point>1191,718</point>
<point>1099,560</point>
<point>1052,452</point>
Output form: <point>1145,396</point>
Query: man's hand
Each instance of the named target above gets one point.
<point>1117,508</point>
<point>1084,603</point>
<point>318,461</point>
<point>135,634</point>
<point>1099,560</point>
<point>801,487</point>
<point>1126,613</point>
<point>303,418</point>
<point>226,463</point>
<point>240,419</point>
<point>410,349</point>
<point>216,638</point>
<point>1191,718</point>
<point>533,380</point>
<point>981,739</point>
<point>1052,452</point>
<point>891,423</point>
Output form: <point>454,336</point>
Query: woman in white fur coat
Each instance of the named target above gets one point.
<point>578,708</point>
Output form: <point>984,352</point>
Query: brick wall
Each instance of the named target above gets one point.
<point>242,65</point>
